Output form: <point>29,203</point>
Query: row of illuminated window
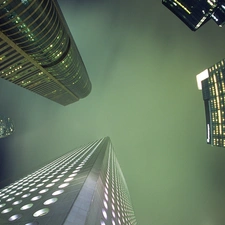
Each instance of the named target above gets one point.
<point>218,142</point>
<point>217,66</point>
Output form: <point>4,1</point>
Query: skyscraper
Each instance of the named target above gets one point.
<point>84,186</point>
<point>212,83</point>
<point>37,51</point>
<point>195,13</point>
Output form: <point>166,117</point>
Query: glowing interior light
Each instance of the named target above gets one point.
<point>41,212</point>
<point>200,77</point>
<point>105,204</point>
<point>17,202</point>
<point>106,197</point>
<point>104,213</point>
<point>63,185</point>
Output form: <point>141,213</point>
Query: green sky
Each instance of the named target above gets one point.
<point>142,62</point>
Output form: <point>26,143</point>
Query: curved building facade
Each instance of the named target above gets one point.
<point>38,30</point>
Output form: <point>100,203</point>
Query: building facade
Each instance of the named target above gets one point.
<point>37,51</point>
<point>84,186</point>
<point>195,13</point>
<point>212,83</point>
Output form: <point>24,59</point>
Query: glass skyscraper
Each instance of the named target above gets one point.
<point>195,13</point>
<point>85,186</point>
<point>37,51</point>
<point>212,83</point>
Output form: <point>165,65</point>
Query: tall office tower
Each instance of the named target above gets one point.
<point>84,186</point>
<point>212,83</point>
<point>195,13</point>
<point>37,51</point>
<point>6,126</point>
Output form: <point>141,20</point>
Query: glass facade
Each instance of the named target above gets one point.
<point>85,186</point>
<point>39,32</point>
<point>194,13</point>
<point>213,89</point>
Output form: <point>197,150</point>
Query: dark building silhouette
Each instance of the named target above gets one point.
<point>6,126</point>
<point>212,83</point>
<point>195,13</point>
<point>37,51</point>
<point>84,186</point>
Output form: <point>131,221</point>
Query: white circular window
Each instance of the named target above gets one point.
<point>58,192</point>
<point>33,189</point>
<point>50,201</point>
<point>6,196</point>
<point>32,223</point>
<point>55,180</point>
<point>26,188</point>
<point>73,175</point>
<point>41,212</point>
<point>18,193</point>
<point>2,205</point>
<point>12,192</point>
<point>63,185</point>
<point>17,202</point>
<point>105,204</point>
<point>26,195</point>
<point>60,176</point>
<point>104,214</point>
<point>43,191</point>
<point>36,198</point>
<point>68,179</point>
<point>10,199</point>
<point>6,210</point>
<point>102,223</point>
<point>45,180</point>
<point>50,185</point>
<point>15,217</point>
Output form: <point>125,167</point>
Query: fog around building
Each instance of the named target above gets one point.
<point>142,62</point>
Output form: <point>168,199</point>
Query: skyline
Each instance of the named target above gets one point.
<point>142,62</point>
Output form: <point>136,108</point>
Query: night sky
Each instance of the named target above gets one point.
<point>142,62</point>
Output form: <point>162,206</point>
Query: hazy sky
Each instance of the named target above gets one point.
<point>142,62</point>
